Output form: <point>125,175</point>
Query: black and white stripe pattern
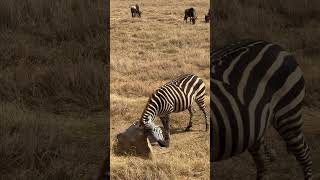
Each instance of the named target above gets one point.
<point>254,85</point>
<point>175,96</point>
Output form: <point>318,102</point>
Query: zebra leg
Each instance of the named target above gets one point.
<point>190,121</point>
<point>202,107</point>
<point>166,124</point>
<point>297,145</point>
<point>261,160</point>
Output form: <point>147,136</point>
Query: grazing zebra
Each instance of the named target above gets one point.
<point>254,85</point>
<point>175,96</point>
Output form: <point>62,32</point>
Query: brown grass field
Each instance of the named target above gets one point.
<point>53,83</point>
<point>145,53</point>
<point>296,26</point>
<point>52,86</point>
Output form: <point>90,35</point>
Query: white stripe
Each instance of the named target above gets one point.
<point>244,80</point>
<point>183,96</point>
<point>292,104</point>
<point>296,115</point>
<point>237,114</point>
<point>290,82</point>
<point>187,85</point>
<point>231,67</point>
<point>226,121</point>
<point>260,91</point>
<point>263,120</point>
<point>191,90</point>
<point>215,135</point>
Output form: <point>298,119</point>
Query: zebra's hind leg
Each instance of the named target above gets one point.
<point>190,121</point>
<point>291,132</point>
<point>200,102</point>
<point>166,124</point>
<point>271,154</point>
<point>261,160</point>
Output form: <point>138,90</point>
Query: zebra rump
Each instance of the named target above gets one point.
<point>256,85</point>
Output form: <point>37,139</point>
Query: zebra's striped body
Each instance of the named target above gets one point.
<point>254,85</point>
<point>175,96</point>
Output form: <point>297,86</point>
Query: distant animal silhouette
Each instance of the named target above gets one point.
<point>207,17</point>
<point>135,11</point>
<point>192,14</point>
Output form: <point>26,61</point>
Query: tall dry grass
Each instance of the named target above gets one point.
<point>53,51</point>
<point>38,145</point>
<point>147,52</point>
<point>52,88</point>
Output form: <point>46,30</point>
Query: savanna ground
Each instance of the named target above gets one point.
<point>145,53</point>
<point>296,26</point>
<point>52,86</point>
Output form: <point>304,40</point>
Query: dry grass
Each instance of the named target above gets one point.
<point>38,145</point>
<point>52,86</point>
<point>145,53</point>
<point>295,26</point>
<point>52,54</point>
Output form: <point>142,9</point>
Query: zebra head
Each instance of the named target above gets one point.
<point>152,131</point>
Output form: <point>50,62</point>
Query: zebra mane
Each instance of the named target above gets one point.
<point>222,56</point>
<point>225,50</point>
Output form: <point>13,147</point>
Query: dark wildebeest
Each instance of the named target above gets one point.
<point>191,12</point>
<point>135,11</point>
<point>208,16</point>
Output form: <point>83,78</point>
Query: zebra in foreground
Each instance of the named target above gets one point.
<point>254,85</point>
<point>175,96</point>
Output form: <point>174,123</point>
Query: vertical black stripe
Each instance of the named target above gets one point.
<point>222,132</point>
<point>231,116</point>
<point>259,71</point>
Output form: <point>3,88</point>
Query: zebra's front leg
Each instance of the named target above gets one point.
<point>190,121</point>
<point>261,160</point>
<point>166,124</point>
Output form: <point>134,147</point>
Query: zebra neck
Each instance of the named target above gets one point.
<point>149,114</point>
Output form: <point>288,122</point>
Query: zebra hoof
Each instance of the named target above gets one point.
<point>164,143</point>
<point>187,129</point>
